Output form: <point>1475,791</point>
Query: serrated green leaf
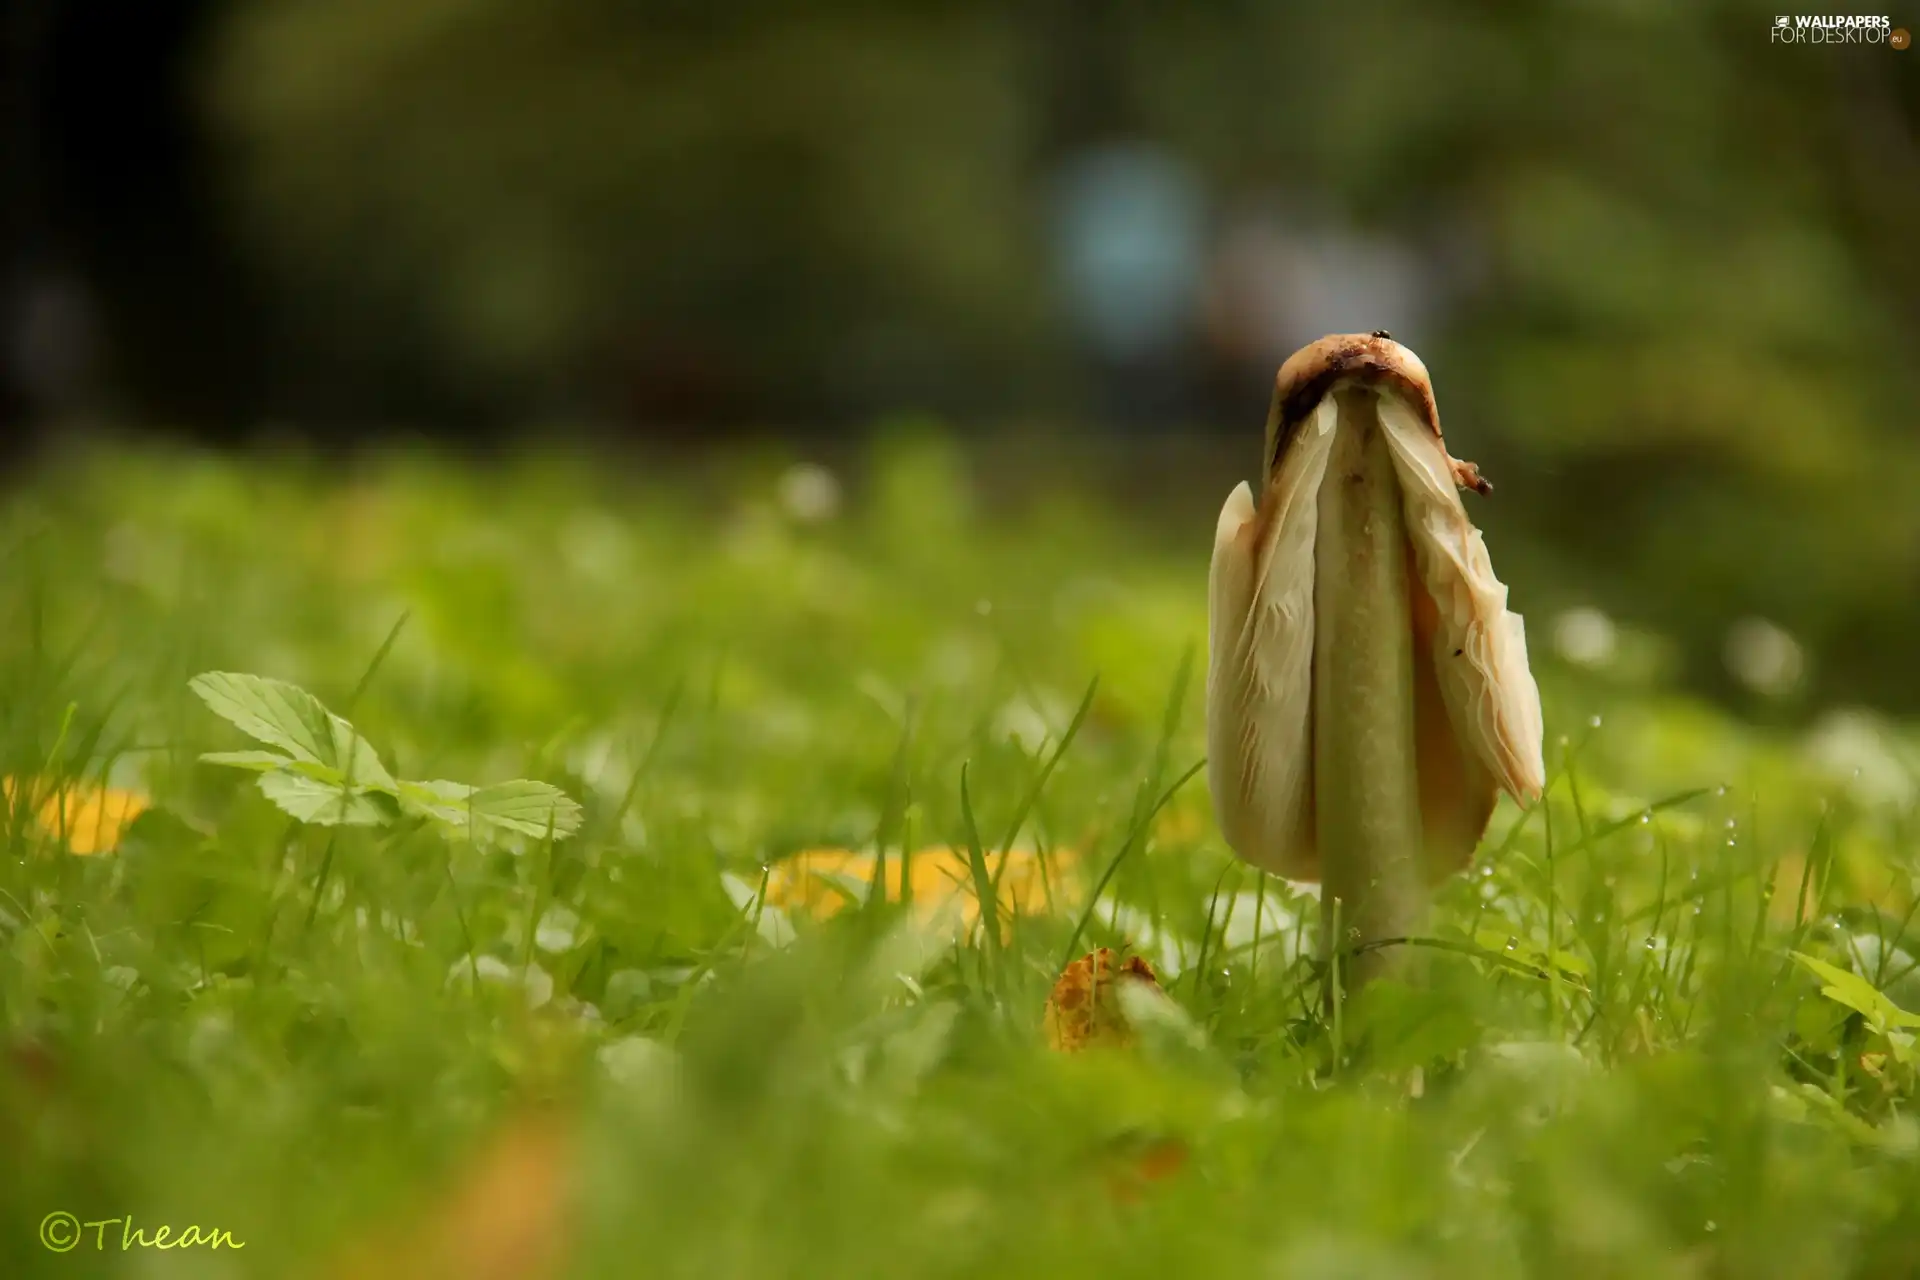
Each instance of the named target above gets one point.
<point>521,807</point>
<point>1856,993</point>
<point>259,761</point>
<point>288,717</point>
<point>530,808</point>
<point>327,804</point>
<point>438,799</point>
<point>1837,1114</point>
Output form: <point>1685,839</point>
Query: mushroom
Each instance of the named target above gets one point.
<point>1368,694</point>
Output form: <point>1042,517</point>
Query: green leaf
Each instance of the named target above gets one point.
<point>326,804</point>
<point>1856,993</point>
<point>257,760</point>
<point>520,807</point>
<point>1836,1114</point>
<point>288,717</point>
<point>1404,1026</point>
<point>1524,951</point>
<point>439,799</point>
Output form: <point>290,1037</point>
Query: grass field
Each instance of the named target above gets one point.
<point>404,1046</point>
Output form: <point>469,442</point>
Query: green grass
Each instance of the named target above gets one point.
<point>295,1033</point>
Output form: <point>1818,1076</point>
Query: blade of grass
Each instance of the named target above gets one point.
<point>894,809</point>
<point>983,882</point>
<point>667,710</point>
<point>1132,842</point>
<point>1032,795</point>
<point>373,667</point>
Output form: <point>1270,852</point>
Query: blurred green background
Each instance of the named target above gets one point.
<point>748,418</point>
<point>1660,265</point>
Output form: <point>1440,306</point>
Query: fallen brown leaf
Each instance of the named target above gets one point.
<point>508,1215</point>
<point>1083,1011</point>
<point>1161,1159</point>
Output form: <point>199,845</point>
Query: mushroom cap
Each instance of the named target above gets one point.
<point>1313,371</point>
<point>1478,720</point>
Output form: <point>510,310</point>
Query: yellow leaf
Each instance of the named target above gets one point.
<point>820,882</point>
<point>88,818</point>
<point>1180,825</point>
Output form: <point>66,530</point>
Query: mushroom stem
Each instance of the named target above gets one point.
<point>1365,788</point>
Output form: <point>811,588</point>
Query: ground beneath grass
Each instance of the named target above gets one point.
<point>1659,1029</point>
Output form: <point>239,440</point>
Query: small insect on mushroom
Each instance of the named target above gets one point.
<point>1368,693</point>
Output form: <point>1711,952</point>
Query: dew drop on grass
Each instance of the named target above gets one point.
<point>1711,1225</point>
<point>1594,723</point>
<point>1487,870</point>
<point>1650,942</point>
<point>1513,944</point>
<point>1646,817</point>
